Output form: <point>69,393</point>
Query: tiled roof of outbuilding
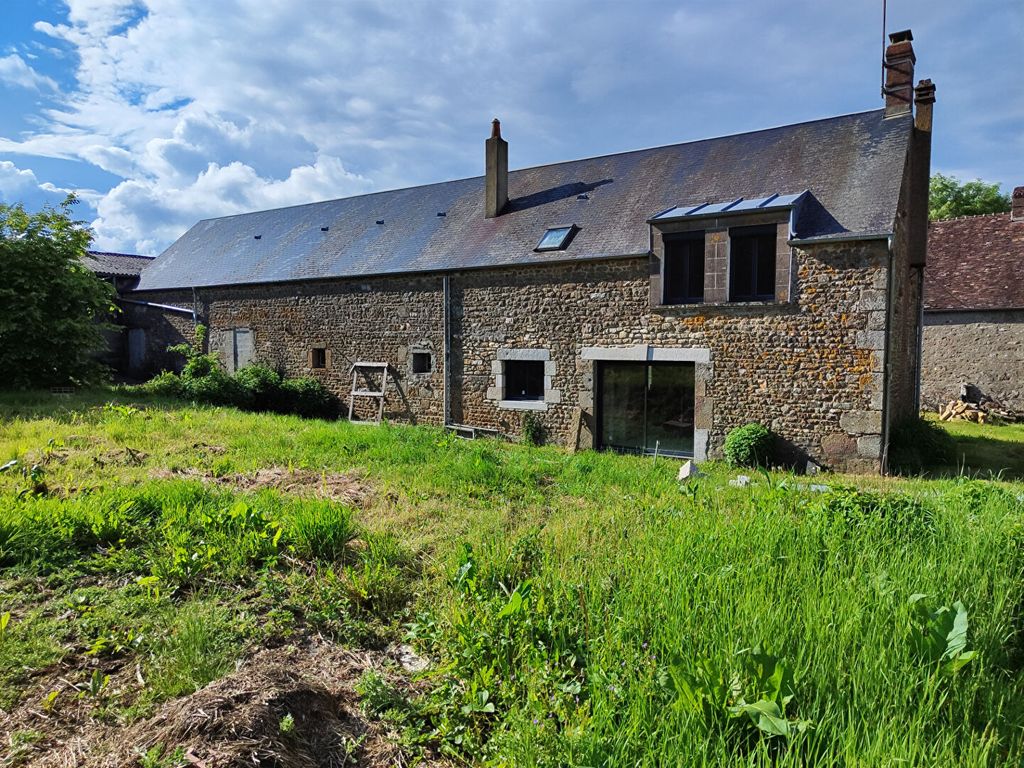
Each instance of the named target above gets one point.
<point>116,264</point>
<point>852,166</point>
<point>975,262</point>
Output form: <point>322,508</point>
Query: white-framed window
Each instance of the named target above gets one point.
<point>522,379</point>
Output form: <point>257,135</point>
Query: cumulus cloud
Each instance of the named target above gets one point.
<point>15,71</point>
<point>198,109</point>
<point>14,180</point>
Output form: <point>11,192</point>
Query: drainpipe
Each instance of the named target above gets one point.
<point>446,292</point>
<point>920,341</point>
<point>195,307</point>
<point>886,365</point>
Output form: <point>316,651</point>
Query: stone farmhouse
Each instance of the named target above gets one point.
<point>974,308</point>
<point>648,301</point>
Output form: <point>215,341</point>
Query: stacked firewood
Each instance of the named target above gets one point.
<point>973,405</point>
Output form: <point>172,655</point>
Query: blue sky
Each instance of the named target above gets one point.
<point>162,112</point>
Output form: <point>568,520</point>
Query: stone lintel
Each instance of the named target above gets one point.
<point>647,353</point>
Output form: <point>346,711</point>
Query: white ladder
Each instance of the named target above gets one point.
<point>384,369</point>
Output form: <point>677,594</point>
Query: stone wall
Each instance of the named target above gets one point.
<point>810,367</point>
<point>981,348</point>
<point>376,320</point>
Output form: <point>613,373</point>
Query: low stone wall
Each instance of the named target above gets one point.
<point>981,348</point>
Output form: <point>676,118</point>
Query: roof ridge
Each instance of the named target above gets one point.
<point>118,253</point>
<point>970,216</point>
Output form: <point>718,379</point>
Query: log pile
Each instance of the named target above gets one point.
<point>974,406</point>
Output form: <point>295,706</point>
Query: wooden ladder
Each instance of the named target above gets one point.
<point>384,369</point>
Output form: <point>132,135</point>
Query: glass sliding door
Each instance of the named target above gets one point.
<point>646,407</point>
<point>621,405</point>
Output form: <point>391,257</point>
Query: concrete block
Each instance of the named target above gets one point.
<point>862,422</point>
<point>508,353</point>
<point>688,471</point>
<point>869,446</point>
<point>871,300</point>
<point>838,446</point>
<point>870,339</point>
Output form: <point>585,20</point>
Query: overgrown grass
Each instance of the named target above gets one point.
<point>579,609</point>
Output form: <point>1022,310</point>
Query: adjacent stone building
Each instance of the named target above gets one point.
<point>974,308</point>
<point>124,347</point>
<point>647,301</point>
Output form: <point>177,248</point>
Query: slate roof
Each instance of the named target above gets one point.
<point>107,264</point>
<point>975,262</point>
<point>852,166</point>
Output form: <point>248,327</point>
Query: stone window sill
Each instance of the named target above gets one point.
<point>523,405</point>
<point>726,307</point>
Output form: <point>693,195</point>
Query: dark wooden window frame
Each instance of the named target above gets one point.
<point>752,263</point>
<point>682,277</point>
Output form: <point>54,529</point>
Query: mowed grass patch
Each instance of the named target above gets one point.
<point>987,450</point>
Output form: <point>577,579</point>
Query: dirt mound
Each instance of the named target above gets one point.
<point>346,487</point>
<point>286,707</point>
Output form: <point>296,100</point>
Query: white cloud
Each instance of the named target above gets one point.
<point>14,71</point>
<point>20,185</point>
<point>205,108</point>
<point>14,180</point>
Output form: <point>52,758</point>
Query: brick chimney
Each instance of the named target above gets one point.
<point>496,152</point>
<point>899,74</point>
<point>1017,205</point>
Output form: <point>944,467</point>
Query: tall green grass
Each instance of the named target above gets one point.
<point>573,655</point>
<point>576,606</point>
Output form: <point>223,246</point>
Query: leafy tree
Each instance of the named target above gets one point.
<point>948,197</point>
<point>50,304</point>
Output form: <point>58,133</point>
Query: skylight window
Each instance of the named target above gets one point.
<point>556,239</point>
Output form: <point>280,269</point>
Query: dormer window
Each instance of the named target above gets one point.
<point>556,239</point>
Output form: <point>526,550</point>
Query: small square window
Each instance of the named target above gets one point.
<point>556,239</point>
<point>422,362</point>
<point>318,357</point>
<point>524,379</point>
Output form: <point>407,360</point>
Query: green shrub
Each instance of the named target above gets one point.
<point>216,387</point>
<point>749,445</point>
<point>309,398</point>
<point>533,429</point>
<point>916,444</point>
<point>264,385</point>
<point>167,384</point>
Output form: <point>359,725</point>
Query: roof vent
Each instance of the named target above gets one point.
<point>380,221</point>
<point>257,237</point>
<point>583,197</point>
<point>442,213</point>
<point>324,229</point>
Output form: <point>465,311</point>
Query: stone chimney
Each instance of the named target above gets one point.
<point>496,152</point>
<point>924,98</point>
<point>899,74</point>
<point>1017,205</point>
